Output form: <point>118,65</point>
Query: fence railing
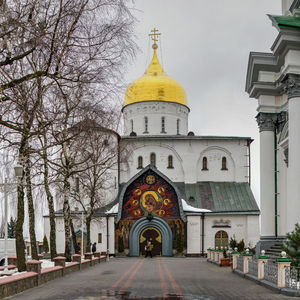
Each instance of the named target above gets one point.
<point>240,263</point>
<point>253,267</point>
<point>271,272</point>
<point>292,278</point>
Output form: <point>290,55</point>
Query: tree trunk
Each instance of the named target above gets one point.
<point>33,243</point>
<point>49,196</point>
<point>88,234</point>
<point>67,218</point>
<point>20,245</point>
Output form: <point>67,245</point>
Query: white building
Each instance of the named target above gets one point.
<point>274,80</point>
<point>183,192</point>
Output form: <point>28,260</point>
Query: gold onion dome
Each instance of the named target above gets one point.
<point>155,84</point>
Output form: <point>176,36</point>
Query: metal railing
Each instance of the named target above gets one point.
<point>292,278</point>
<point>253,267</point>
<point>240,263</point>
<point>271,272</point>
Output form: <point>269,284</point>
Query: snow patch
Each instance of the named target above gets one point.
<point>189,208</point>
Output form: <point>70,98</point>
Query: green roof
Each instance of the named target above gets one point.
<point>287,22</point>
<point>225,197</point>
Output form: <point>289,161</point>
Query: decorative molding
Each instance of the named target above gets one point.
<point>282,118</point>
<point>266,121</point>
<point>221,223</point>
<point>291,85</point>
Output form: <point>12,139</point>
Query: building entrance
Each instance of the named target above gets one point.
<point>154,236</point>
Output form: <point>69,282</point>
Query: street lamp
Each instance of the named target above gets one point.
<point>18,174</point>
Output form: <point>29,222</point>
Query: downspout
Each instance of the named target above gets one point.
<point>249,160</point>
<point>202,233</point>
<point>275,179</point>
<point>107,239</point>
<point>119,160</point>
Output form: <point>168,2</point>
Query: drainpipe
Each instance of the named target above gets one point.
<point>249,160</point>
<point>107,239</point>
<point>202,233</point>
<point>275,180</point>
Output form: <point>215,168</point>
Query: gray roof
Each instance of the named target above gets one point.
<point>220,197</point>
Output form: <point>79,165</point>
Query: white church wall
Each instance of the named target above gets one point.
<point>291,62</point>
<point>187,158</point>
<point>154,111</point>
<point>239,229</point>
<point>60,235</point>
<point>193,233</point>
<point>282,193</point>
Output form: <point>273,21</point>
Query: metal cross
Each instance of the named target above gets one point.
<point>154,35</point>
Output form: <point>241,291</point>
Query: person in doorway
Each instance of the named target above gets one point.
<point>148,249</point>
<point>94,247</point>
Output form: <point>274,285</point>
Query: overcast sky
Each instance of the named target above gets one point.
<point>205,46</point>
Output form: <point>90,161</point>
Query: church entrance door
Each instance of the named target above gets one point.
<point>154,236</point>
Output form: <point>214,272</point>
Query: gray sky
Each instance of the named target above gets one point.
<point>205,47</point>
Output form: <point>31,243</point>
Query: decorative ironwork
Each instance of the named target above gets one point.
<point>240,263</point>
<point>292,278</point>
<point>253,267</point>
<point>271,272</point>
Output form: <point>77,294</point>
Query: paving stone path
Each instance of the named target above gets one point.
<point>156,278</point>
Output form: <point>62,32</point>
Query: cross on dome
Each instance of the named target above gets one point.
<point>154,35</point>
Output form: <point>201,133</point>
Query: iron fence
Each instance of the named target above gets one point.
<point>292,278</point>
<point>253,267</point>
<point>271,272</point>
<point>240,263</point>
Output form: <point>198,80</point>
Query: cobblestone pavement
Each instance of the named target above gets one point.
<point>157,278</point>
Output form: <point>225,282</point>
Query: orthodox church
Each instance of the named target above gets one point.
<point>184,193</point>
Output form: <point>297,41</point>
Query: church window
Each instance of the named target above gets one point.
<point>131,125</point>
<point>99,238</point>
<point>163,125</point>
<point>153,159</point>
<point>224,163</point>
<point>170,162</point>
<point>221,239</point>
<point>146,125</point>
<point>204,164</point>
<point>140,162</point>
<point>178,126</point>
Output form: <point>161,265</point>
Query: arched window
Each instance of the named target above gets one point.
<point>146,124</point>
<point>131,125</point>
<point>140,162</point>
<point>170,162</point>
<point>224,163</point>
<point>204,164</point>
<point>163,125</point>
<point>153,159</point>
<point>178,126</point>
<point>221,239</point>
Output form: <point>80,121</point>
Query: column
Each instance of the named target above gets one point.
<point>266,123</point>
<point>292,88</point>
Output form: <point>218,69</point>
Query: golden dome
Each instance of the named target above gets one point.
<point>155,85</point>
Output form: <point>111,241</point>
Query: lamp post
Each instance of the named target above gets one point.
<point>18,174</point>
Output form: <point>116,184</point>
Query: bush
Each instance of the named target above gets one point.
<point>179,243</point>
<point>292,245</point>
<point>241,246</point>
<point>45,244</point>
<point>233,243</point>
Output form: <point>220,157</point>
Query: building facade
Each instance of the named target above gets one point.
<point>274,80</point>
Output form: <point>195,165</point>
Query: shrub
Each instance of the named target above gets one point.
<point>46,244</point>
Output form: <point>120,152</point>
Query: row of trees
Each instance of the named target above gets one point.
<point>60,68</point>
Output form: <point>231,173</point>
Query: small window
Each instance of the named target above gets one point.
<point>204,164</point>
<point>146,124</point>
<point>153,159</point>
<point>170,162</point>
<point>77,184</point>
<point>115,182</point>
<point>163,125</point>
<point>178,126</point>
<point>131,125</point>
<point>224,163</point>
<point>99,238</point>
<point>140,162</point>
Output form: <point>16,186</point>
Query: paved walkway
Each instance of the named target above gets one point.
<point>135,278</point>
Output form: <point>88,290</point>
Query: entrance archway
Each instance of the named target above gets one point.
<point>141,226</point>
<point>153,235</point>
